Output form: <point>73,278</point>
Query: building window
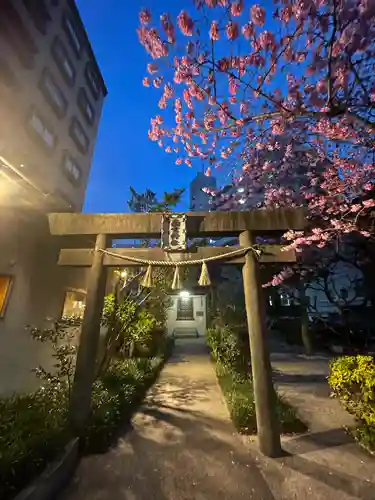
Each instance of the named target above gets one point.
<point>53,93</point>
<point>185,309</point>
<point>6,74</point>
<point>5,287</point>
<point>92,79</point>
<point>78,135</point>
<point>72,34</point>
<point>39,127</point>
<point>74,304</point>
<point>71,168</point>
<point>38,11</point>
<point>63,61</point>
<point>85,106</point>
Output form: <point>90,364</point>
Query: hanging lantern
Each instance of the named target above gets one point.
<point>147,279</point>
<point>204,279</point>
<point>177,281</point>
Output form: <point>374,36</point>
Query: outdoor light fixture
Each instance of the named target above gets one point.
<point>240,190</point>
<point>124,274</point>
<point>184,294</point>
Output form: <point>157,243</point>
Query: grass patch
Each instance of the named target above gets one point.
<point>238,391</point>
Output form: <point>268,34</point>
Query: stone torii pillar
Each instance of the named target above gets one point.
<point>84,375</point>
<point>264,393</point>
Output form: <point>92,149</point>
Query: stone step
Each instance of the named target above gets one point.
<point>185,333</point>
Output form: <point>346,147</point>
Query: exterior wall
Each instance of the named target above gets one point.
<point>24,149</point>
<point>33,180</point>
<point>29,255</point>
<point>199,323</point>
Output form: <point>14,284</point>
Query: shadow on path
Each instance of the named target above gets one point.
<point>181,446</point>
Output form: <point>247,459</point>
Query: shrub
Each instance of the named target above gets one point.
<point>33,429</point>
<point>239,394</point>
<point>225,349</point>
<point>115,398</point>
<point>352,379</point>
<point>233,372</point>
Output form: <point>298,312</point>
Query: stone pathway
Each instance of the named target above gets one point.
<point>182,445</point>
<point>325,462</point>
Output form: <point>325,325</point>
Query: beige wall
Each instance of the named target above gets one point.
<point>199,323</point>
<point>29,255</point>
<point>19,147</point>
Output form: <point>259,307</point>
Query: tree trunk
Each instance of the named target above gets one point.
<point>305,330</point>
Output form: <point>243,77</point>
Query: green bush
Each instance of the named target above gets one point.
<point>225,349</point>
<point>233,372</point>
<point>33,429</point>
<point>115,398</point>
<point>239,394</point>
<point>352,380</point>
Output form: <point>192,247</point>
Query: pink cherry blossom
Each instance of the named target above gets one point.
<point>267,40</point>
<point>232,31</point>
<point>236,8</point>
<point>248,30</point>
<point>168,27</point>
<point>258,15</point>
<point>214,30</point>
<point>152,42</point>
<point>145,16</point>
<point>185,23</point>
<point>272,109</point>
<point>146,81</point>
<point>152,68</point>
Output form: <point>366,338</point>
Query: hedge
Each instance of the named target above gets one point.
<point>352,380</point>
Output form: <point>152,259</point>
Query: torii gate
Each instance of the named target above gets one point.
<point>245,225</point>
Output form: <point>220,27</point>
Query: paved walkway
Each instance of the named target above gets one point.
<point>325,462</point>
<point>182,445</point>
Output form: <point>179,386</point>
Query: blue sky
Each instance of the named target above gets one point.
<point>124,155</point>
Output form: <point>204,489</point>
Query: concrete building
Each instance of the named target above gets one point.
<point>51,99</point>
<point>199,200</point>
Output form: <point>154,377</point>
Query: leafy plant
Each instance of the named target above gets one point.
<point>352,380</point>
<point>62,339</point>
<point>130,328</point>
<point>33,430</point>
<point>225,349</point>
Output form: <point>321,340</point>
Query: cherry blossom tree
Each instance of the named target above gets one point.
<point>272,94</point>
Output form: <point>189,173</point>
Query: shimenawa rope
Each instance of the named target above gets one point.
<point>192,262</point>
